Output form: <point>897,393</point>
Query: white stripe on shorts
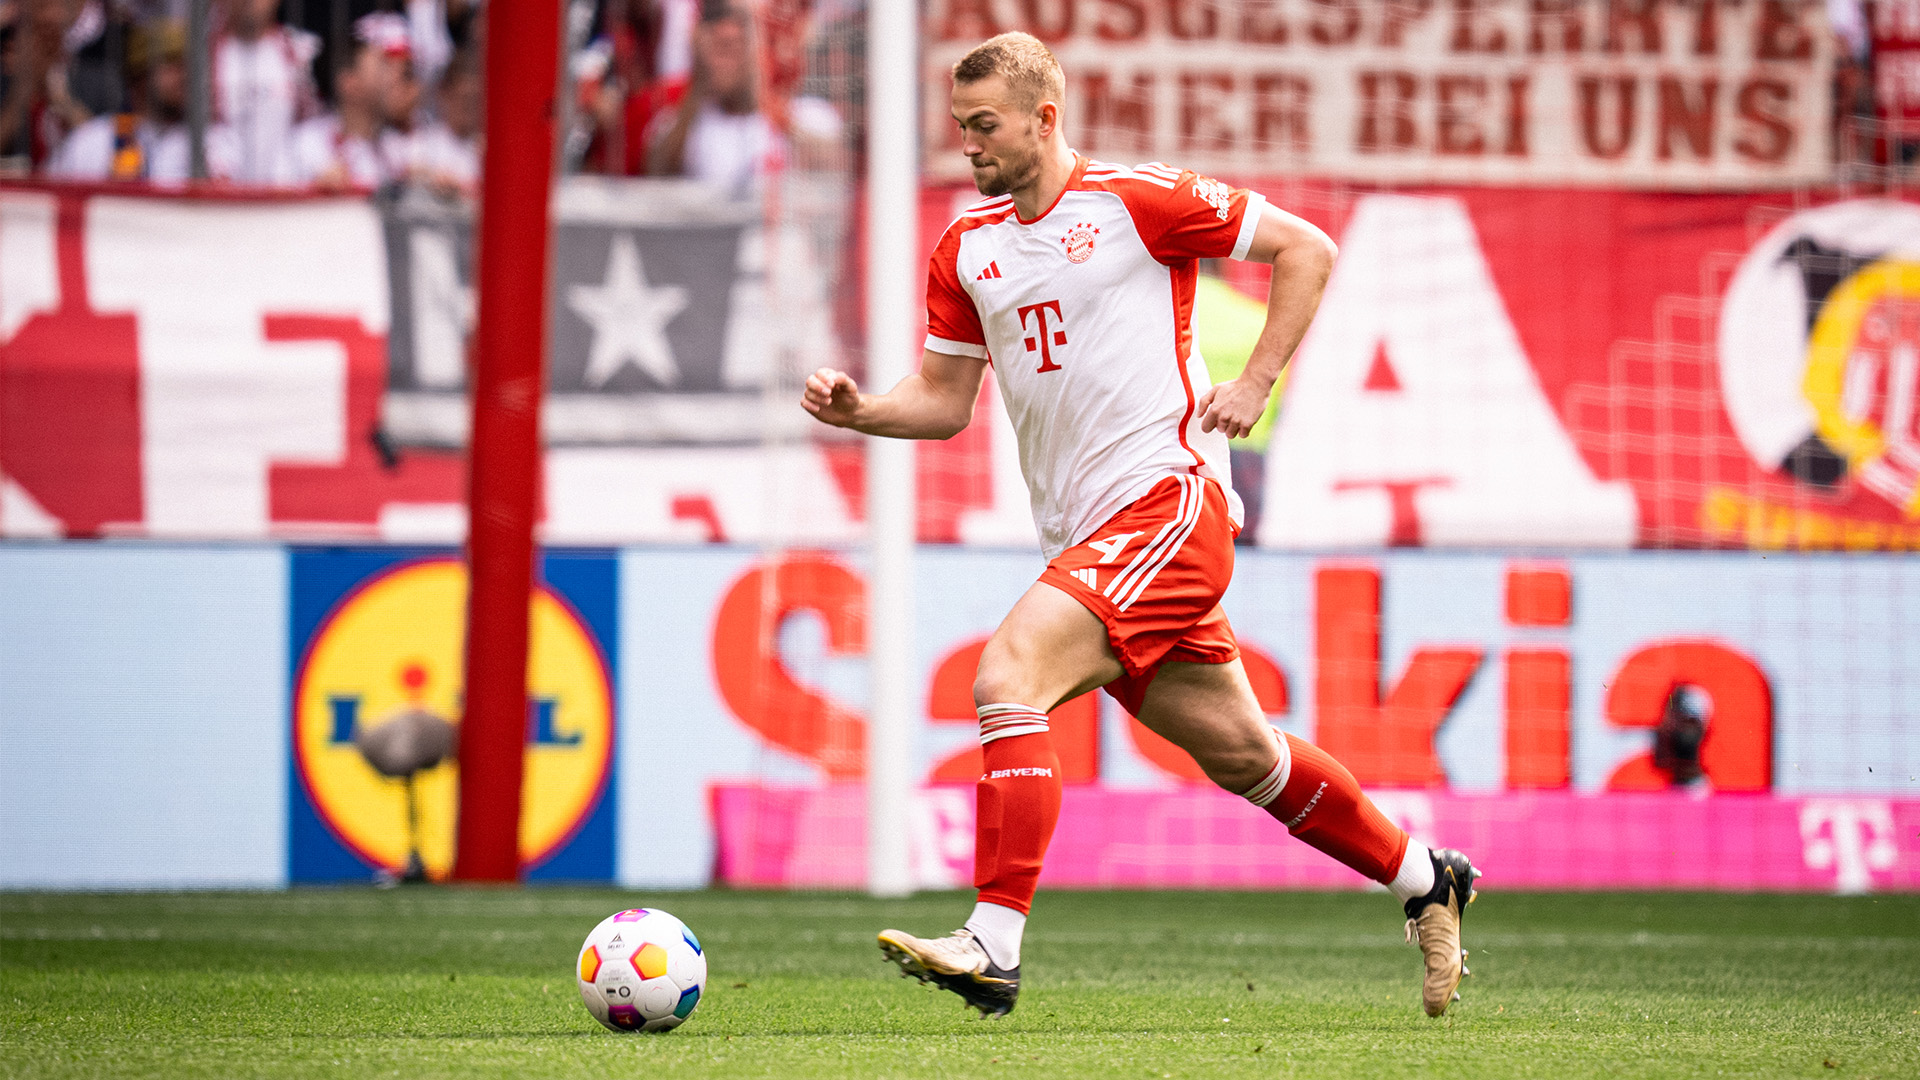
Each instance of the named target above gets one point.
<point>1173,548</point>
<point>1146,553</point>
<point>1126,588</point>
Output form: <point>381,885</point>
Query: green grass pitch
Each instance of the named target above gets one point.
<point>467,983</point>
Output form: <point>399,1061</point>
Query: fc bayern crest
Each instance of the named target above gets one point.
<point>1079,241</point>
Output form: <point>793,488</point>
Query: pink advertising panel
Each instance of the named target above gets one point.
<point>1195,837</point>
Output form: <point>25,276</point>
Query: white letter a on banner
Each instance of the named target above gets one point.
<point>1412,415</point>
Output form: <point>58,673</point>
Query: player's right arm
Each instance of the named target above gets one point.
<point>935,402</point>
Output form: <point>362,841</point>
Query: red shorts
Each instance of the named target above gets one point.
<point>1154,573</point>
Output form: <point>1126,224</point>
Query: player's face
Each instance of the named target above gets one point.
<point>1000,139</point>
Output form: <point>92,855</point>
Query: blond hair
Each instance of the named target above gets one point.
<point>1032,74</point>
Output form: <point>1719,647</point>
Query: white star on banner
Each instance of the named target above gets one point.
<point>629,318</point>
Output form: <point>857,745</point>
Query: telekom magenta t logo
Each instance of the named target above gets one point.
<point>1038,341</point>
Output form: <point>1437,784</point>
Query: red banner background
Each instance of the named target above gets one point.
<point>1617,301</point>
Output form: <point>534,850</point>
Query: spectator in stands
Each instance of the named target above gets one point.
<point>648,58</point>
<point>340,151</point>
<point>88,80</point>
<point>1852,88</point>
<point>467,25</point>
<point>38,106</point>
<point>431,38</point>
<point>1847,19</point>
<point>449,150</point>
<point>718,134</point>
<point>1895,27</point>
<point>95,43</point>
<point>400,106</point>
<point>149,140</point>
<point>262,87</point>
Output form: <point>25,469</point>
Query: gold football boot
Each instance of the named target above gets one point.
<point>958,963</point>
<point>1433,922</point>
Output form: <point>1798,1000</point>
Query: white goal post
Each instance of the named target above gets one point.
<point>893,148</point>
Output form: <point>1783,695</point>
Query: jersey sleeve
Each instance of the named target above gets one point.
<point>953,323</point>
<point>1195,217</point>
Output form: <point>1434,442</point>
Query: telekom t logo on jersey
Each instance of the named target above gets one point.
<point>1038,341</point>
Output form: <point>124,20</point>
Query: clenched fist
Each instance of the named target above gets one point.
<point>832,397</point>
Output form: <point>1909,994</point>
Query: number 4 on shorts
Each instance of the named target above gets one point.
<point>1112,546</point>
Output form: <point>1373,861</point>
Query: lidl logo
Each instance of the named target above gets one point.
<point>390,652</point>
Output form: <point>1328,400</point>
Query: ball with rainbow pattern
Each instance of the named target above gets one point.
<point>641,970</point>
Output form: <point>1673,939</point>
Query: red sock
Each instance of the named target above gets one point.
<point>1323,805</point>
<point>1017,804</point>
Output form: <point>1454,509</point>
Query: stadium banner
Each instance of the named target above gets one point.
<point>1703,720</point>
<point>218,368</point>
<point>815,838</point>
<point>141,687</point>
<point>1539,367</point>
<point>1712,720</point>
<point>663,328</point>
<point>1554,367</point>
<point>1710,94</point>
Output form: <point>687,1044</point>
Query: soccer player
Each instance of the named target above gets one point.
<point>1074,280</point>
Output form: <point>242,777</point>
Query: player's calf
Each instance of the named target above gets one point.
<point>1017,804</point>
<point>1319,802</point>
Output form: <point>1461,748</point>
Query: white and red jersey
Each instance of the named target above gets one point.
<point>261,90</point>
<point>324,152</point>
<point>1087,316</point>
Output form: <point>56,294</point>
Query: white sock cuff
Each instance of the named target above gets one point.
<point>1007,719</point>
<point>1270,786</point>
<point>1416,873</point>
<point>998,929</point>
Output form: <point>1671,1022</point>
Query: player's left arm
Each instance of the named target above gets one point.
<point>1302,258</point>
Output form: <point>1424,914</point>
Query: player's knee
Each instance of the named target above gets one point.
<point>998,684</point>
<point>1237,766</point>
<point>1004,676</point>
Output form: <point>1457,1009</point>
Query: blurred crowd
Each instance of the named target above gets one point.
<point>711,90</point>
<point>1877,91</point>
<point>358,94</point>
<point>99,90</point>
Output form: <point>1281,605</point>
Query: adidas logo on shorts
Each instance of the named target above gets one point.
<point>1089,577</point>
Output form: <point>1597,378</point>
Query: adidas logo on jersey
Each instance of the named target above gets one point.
<point>1089,577</point>
<point>992,271</point>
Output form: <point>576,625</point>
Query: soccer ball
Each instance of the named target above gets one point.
<point>641,970</point>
